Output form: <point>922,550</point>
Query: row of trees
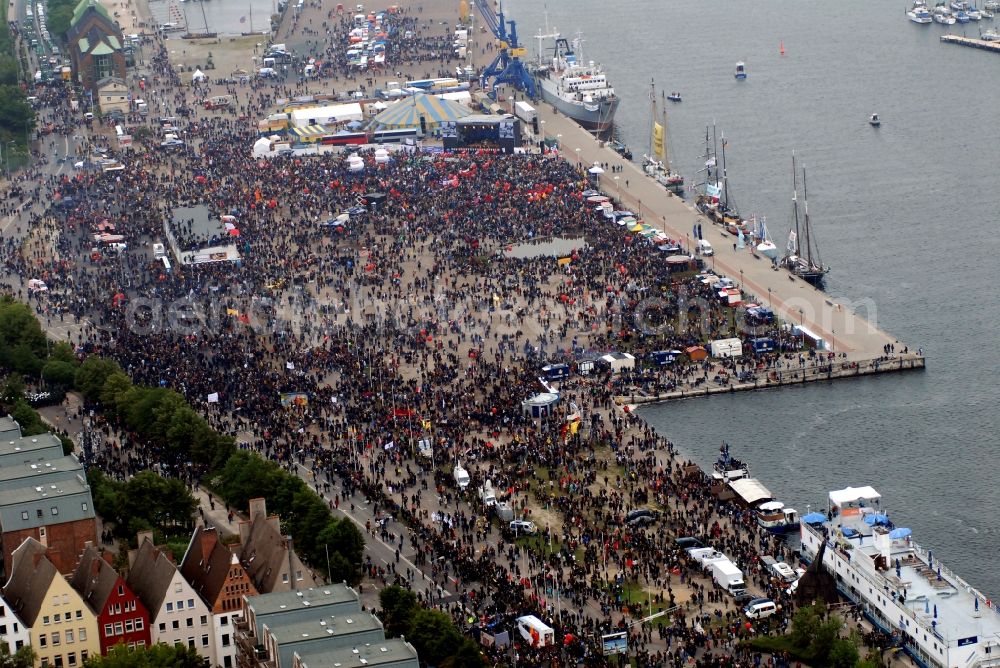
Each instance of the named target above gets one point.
<point>157,416</point>
<point>144,502</point>
<point>17,118</point>
<point>431,632</point>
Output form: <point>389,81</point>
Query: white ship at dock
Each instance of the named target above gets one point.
<point>939,618</point>
<point>576,89</point>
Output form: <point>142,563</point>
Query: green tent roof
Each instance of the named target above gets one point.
<point>102,49</point>
<point>84,44</point>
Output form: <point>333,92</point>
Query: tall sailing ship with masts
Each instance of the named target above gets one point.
<point>656,164</point>
<point>714,199</point>
<point>801,253</point>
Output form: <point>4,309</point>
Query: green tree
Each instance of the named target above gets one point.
<point>60,18</point>
<point>344,537</point>
<point>246,476</point>
<point>114,389</point>
<point>159,655</point>
<point>59,373</point>
<point>63,352</point>
<point>13,388</point>
<point>26,416</point>
<point>19,328</point>
<point>398,605</point>
<point>148,501</point>
<point>104,491</point>
<point>92,374</point>
<point>24,657</point>
<point>826,636</point>
<point>434,636</point>
<point>467,656</point>
<point>843,654</point>
<point>8,70</point>
<point>22,357</point>
<point>806,623</point>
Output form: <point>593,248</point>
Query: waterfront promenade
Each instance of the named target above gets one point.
<point>843,328</point>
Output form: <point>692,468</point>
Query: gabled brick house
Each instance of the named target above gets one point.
<point>121,615</point>
<point>95,45</point>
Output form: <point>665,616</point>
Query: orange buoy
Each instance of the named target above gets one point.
<point>782,47</point>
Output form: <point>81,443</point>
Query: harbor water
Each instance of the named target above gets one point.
<point>906,215</point>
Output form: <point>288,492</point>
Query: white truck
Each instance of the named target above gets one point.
<point>525,112</point>
<point>727,348</point>
<point>728,576</point>
<point>706,555</point>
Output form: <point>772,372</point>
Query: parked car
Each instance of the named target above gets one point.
<point>641,517</point>
<point>523,526</point>
<point>688,542</point>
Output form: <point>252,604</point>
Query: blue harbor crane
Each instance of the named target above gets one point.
<point>507,67</point>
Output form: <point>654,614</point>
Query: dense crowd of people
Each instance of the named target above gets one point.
<point>412,321</point>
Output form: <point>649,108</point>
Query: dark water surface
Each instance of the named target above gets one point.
<point>907,216</point>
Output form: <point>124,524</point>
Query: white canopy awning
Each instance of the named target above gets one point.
<point>850,495</point>
<point>751,491</point>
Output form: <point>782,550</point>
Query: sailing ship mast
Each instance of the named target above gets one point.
<point>654,151</point>
<point>725,177</point>
<point>663,110</point>
<point>793,244</point>
<point>808,231</point>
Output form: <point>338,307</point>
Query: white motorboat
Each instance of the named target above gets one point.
<point>943,15</point>
<point>765,246</point>
<point>919,14</point>
<point>776,518</point>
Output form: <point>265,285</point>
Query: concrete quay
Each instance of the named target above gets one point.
<point>837,370</point>
<point>793,300</point>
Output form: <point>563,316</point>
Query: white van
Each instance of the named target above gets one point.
<point>159,251</point>
<point>759,608</point>
<point>487,495</point>
<point>461,476</point>
<point>704,248</point>
<point>536,632</point>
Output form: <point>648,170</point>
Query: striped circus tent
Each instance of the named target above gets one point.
<point>407,112</point>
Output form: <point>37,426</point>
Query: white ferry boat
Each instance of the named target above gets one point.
<point>938,618</point>
<point>579,90</point>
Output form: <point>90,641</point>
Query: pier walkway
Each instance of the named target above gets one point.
<point>793,375</point>
<point>795,301</point>
<point>975,43</point>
